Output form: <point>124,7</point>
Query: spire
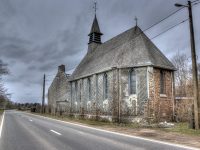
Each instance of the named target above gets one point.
<point>95,26</point>
<point>136,21</point>
<point>95,33</point>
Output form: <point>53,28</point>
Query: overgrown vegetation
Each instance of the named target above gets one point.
<point>1,111</point>
<point>4,100</point>
<point>183,75</point>
<point>180,128</point>
<point>91,122</point>
<point>183,129</point>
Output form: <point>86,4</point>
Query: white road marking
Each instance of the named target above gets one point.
<point>2,124</point>
<point>30,120</point>
<point>116,133</point>
<point>56,132</point>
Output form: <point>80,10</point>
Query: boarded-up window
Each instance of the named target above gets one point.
<point>105,86</point>
<point>76,90</point>
<point>89,88</point>
<point>162,82</point>
<point>132,82</point>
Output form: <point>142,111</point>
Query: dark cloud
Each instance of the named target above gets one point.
<point>36,36</point>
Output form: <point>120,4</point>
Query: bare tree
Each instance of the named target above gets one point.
<point>3,96</point>
<point>182,75</point>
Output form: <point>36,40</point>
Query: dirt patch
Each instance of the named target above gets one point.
<point>147,133</point>
<point>171,137</point>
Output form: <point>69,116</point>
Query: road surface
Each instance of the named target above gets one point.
<point>23,131</point>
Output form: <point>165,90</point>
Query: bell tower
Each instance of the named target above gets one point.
<point>95,33</point>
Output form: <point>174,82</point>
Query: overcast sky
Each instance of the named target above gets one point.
<point>38,35</point>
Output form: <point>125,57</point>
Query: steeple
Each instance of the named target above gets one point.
<point>136,21</point>
<point>95,33</point>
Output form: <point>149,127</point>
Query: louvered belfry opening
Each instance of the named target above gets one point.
<point>95,37</point>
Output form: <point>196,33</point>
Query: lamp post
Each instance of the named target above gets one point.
<point>194,65</point>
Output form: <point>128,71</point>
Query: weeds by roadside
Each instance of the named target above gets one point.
<point>183,129</point>
<point>180,128</point>
<point>1,111</point>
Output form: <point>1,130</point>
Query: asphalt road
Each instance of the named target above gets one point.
<point>22,131</point>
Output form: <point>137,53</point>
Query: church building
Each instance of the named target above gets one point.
<point>126,78</point>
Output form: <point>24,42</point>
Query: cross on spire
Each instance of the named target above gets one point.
<point>95,7</point>
<point>136,20</point>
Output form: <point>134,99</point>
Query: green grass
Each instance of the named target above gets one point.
<point>183,129</point>
<point>91,122</point>
<point>84,121</point>
<point>1,111</point>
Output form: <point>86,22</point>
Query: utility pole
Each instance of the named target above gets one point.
<point>194,66</point>
<point>43,94</point>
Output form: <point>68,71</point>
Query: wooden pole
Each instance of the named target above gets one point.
<point>43,94</point>
<point>194,68</point>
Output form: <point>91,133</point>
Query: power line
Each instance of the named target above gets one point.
<point>163,19</point>
<point>195,1</point>
<point>160,22</point>
<point>169,28</point>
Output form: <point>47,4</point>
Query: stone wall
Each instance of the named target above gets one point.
<point>160,105</point>
<point>59,91</point>
<point>119,104</point>
<point>132,106</point>
<point>95,104</point>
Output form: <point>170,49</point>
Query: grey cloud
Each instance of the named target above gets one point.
<point>36,36</point>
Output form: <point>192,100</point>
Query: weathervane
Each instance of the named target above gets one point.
<point>95,7</point>
<point>136,20</point>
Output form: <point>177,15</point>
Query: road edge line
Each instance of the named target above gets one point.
<point>55,132</point>
<point>2,121</point>
<point>117,133</point>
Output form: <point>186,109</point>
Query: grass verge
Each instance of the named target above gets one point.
<point>183,129</point>
<point>180,128</point>
<point>1,111</point>
<point>90,122</point>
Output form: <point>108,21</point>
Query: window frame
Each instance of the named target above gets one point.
<point>89,88</point>
<point>162,82</point>
<point>76,89</point>
<point>105,86</point>
<point>131,91</point>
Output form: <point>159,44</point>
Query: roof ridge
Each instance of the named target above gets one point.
<point>145,37</point>
<point>117,36</point>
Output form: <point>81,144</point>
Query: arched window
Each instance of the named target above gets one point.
<point>89,88</point>
<point>76,90</point>
<point>105,86</point>
<point>162,82</point>
<point>132,82</point>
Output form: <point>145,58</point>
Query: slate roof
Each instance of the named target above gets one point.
<point>131,48</point>
<point>95,26</point>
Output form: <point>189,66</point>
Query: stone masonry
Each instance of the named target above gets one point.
<point>58,92</point>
